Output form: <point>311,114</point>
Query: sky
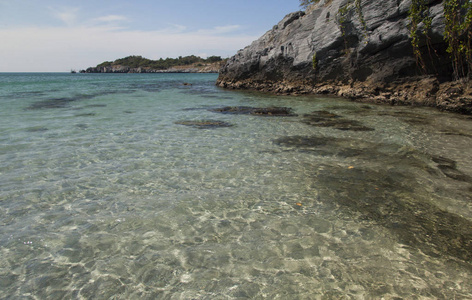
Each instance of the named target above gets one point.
<point>61,35</point>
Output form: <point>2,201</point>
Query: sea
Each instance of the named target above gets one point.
<point>165,186</point>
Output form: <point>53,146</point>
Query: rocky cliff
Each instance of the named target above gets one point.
<point>361,50</point>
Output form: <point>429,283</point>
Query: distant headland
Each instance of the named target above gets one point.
<point>139,64</point>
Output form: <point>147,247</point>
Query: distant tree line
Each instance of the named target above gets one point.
<point>135,61</point>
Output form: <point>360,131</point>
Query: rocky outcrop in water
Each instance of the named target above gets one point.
<point>360,50</point>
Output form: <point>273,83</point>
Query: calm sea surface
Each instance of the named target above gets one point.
<point>134,186</point>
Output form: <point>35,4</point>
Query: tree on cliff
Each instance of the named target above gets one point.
<point>306,3</point>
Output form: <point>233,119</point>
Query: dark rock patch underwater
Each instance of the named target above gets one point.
<point>384,185</point>
<point>259,111</point>
<point>65,102</point>
<point>205,124</point>
<point>328,119</point>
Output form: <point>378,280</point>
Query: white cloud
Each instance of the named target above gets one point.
<point>110,18</point>
<point>175,28</point>
<point>62,48</point>
<point>67,15</point>
<point>221,29</point>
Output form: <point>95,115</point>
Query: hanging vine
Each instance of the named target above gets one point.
<point>342,18</point>
<point>419,13</point>
<point>361,16</point>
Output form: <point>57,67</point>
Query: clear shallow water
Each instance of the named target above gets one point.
<point>104,195</point>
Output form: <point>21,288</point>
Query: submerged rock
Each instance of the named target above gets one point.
<point>233,110</point>
<point>259,111</point>
<point>449,168</point>
<point>51,103</point>
<point>96,105</point>
<point>204,124</point>
<point>348,148</point>
<point>86,115</point>
<point>82,126</point>
<point>391,199</point>
<point>273,111</point>
<point>65,102</point>
<point>328,119</point>
<point>382,184</point>
<point>37,129</point>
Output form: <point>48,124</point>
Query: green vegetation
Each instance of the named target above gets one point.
<point>419,14</point>
<point>342,14</point>
<point>341,19</point>
<point>161,64</point>
<point>361,16</point>
<point>457,35</point>
<point>458,31</point>
<point>314,61</point>
<point>306,3</point>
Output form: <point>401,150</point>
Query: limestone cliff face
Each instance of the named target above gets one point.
<point>361,51</point>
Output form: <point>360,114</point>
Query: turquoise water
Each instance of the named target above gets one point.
<point>106,194</point>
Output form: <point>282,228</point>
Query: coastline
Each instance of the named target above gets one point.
<point>194,68</point>
<point>144,70</point>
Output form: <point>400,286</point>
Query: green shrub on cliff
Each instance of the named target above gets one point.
<point>457,34</point>
<point>105,64</point>
<point>306,3</point>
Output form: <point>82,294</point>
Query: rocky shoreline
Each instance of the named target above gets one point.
<point>359,50</point>
<point>422,91</point>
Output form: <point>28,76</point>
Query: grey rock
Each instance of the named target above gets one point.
<point>360,54</point>
<point>286,51</point>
